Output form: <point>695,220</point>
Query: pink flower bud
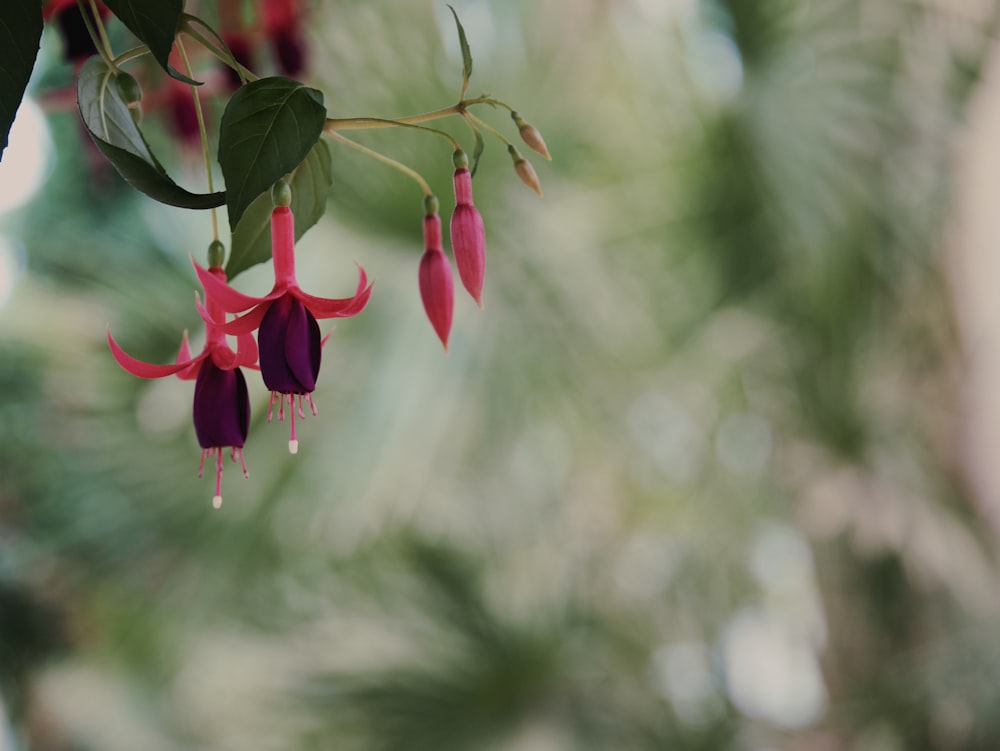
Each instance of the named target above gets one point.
<point>531,136</point>
<point>468,237</point>
<point>436,286</point>
<point>528,175</point>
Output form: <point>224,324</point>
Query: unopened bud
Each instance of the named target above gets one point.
<point>531,136</point>
<point>281,193</point>
<point>431,205</point>
<point>216,254</point>
<point>128,89</point>
<point>524,170</point>
<point>136,113</point>
<point>436,286</point>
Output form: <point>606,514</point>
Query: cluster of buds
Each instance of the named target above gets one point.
<point>468,242</point>
<point>287,350</point>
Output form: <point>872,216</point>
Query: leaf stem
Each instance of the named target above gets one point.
<point>100,30</point>
<point>229,58</point>
<point>380,122</point>
<point>411,173</point>
<point>224,55</point>
<point>130,55</point>
<point>470,118</point>
<point>99,44</point>
<point>204,135</point>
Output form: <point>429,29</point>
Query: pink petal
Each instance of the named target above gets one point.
<point>230,300</point>
<point>247,322</point>
<point>240,325</point>
<point>145,369</point>
<point>323,307</point>
<point>246,350</point>
<point>184,355</point>
<point>224,358</point>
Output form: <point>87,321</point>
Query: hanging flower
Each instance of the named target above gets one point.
<point>239,45</point>
<point>289,338</point>
<point>436,285</point>
<point>468,236</point>
<point>221,404</point>
<point>283,26</point>
<point>68,15</point>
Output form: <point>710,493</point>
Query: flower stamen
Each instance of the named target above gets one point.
<point>293,442</point>
<point>217,498</point>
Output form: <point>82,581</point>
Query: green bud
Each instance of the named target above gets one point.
<point>216,254</point>
<point>136,113</point>
<point>431,205</point>
<point>281,193</point>
<point>460,159</point>
<point>128,88</point>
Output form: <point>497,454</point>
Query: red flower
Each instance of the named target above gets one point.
<point>239,44</point>
<point>468,236</point>
<point>289,339</point>
<point>283,26</point>
<point>436,285</point>
<point>77,44</point>
<point>221,405</point>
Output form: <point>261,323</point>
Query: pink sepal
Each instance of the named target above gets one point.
<point>323,307</point>
<point>145,369</point>
<point>240,325</point>
<point>228,298</point>
<point>184,355</point>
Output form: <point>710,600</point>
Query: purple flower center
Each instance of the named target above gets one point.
<point>221,406</point>
<point>290,348</point>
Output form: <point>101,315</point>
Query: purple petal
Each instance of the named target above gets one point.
<point>289,344</point>
<point>221,407</point>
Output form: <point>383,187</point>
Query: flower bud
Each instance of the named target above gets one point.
<point>525,171</point>
<point>468,237</point>
<point>435,278</point>
<point>216,254</point>
<point>129,89</point>
<point>531,136</point>
<point>281,193</point>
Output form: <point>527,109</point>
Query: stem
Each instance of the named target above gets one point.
<point>412,174</point>
<point>470,118</point>
<point>130,55</point>
<point>380,122</point>
<point>95,37</point>
<point>225,56</point>
<point>204,134</point>
<point>100,29</point>
<point>366,123</point>
<point>229,59</point>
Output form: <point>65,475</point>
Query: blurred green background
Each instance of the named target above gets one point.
<point>710,471</point>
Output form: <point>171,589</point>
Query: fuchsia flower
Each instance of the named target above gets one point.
<point>283,26</point>
<point>239,44</point>
<point>221,405</point>
<point>77,44</point>
<point>436,285</point>
<point>468,236</point>
<point>288,339</point>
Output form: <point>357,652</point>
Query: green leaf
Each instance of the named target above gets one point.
<point>110,124</point>
<point>310,182</point>
<point>466,52</point>
<point>20,32</point>
<point>268,128</point>
<point>477,151</point>
<point>155,23</point>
